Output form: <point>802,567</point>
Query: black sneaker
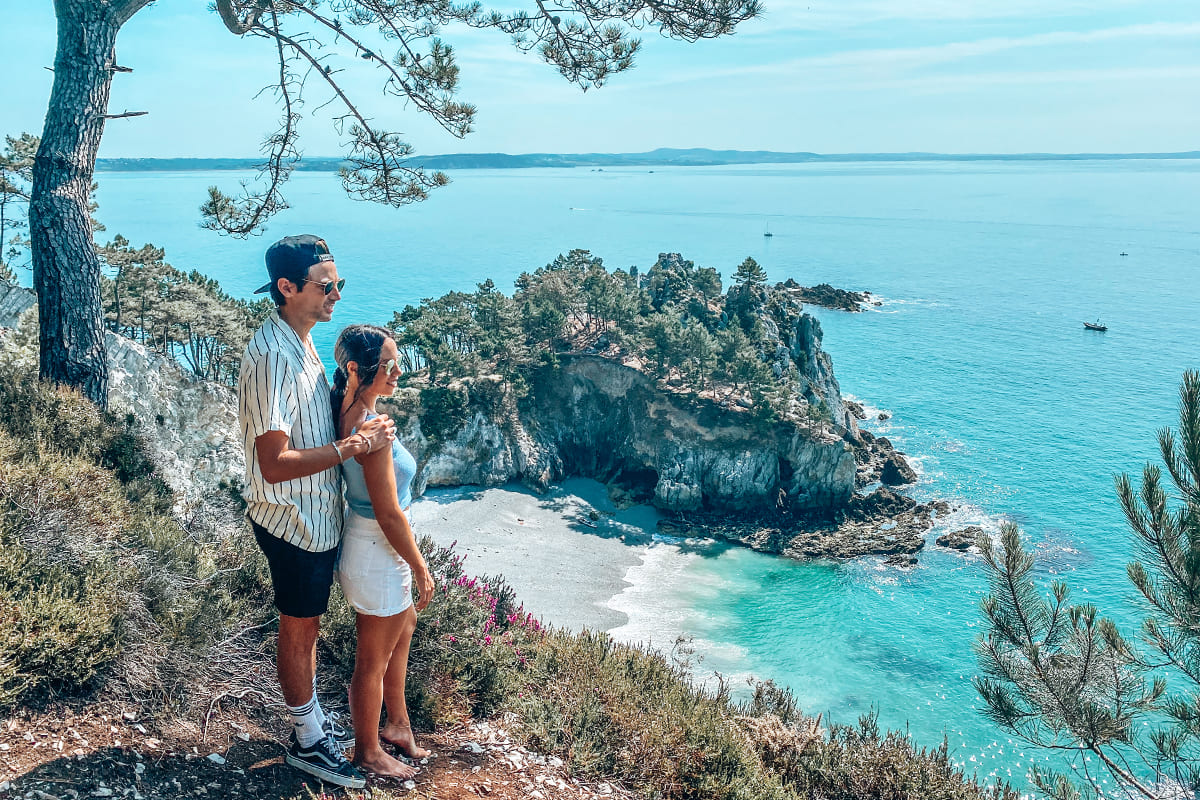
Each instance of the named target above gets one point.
<point>336,731</point>
<point>324,759</point>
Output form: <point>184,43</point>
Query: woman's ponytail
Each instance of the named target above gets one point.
<point>337,396</point>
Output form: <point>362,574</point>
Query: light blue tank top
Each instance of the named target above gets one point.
<point>356,483</point>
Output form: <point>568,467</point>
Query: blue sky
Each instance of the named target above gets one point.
<point>825,76</point>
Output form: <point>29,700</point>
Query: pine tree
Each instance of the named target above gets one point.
<point>749,273</point>
<point>16,175</point>
<point>1061,677</point>
<point>1168,574</point>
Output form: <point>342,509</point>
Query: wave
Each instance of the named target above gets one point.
<point>871,410</point>
<point>879,304</point>
<point>659,604</point>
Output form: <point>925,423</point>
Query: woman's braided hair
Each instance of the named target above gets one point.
<point>363,345</point>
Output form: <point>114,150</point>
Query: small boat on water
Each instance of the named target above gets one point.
<point>1095,326</point>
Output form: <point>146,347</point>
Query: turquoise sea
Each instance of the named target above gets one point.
<point>1010,409</point>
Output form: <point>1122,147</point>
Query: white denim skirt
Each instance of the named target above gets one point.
<point>374,578</point>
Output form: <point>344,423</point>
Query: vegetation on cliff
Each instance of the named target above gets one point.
<point>672,322</point>
<point>185,315</point>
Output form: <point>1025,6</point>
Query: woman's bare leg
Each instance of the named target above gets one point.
<point>377,637</point>
<point>398,730</point>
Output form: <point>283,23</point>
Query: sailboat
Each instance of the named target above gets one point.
<point>767,232</point>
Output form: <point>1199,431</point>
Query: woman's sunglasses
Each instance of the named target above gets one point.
<point>328,285</point>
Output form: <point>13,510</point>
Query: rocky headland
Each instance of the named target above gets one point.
<point>882,523</point>
<point>789,484</point>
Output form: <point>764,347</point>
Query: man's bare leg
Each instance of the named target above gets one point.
<point>296,658</point>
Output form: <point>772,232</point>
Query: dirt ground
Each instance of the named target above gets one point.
<point>107,751</point>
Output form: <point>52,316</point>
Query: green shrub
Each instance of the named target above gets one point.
<point>617,711</point>
<point>60,580</point>
<point>56,634</point>
<point>856,762</point>
<point>100,587</point>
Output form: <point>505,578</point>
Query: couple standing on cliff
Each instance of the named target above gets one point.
<point>302,441</point>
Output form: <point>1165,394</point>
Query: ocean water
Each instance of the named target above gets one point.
<point>1008,407</point>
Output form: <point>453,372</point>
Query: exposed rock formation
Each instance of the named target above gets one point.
<point>882,523</point>
<point>879,461</point>
<point>897,472</point>
<point>961,540</point>
<point>827,296</point>
<point>192,424</point>
<point>14,300</point>
<point>599,419</point>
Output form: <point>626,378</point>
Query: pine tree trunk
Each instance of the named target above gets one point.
<point>66,271</point>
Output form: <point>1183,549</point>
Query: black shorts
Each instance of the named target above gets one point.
<point>301,579</point>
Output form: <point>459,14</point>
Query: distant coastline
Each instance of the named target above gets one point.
<point>662,157</point>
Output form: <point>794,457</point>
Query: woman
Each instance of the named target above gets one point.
<point>379,560</point>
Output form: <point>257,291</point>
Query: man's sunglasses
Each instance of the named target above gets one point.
<point>327,285</point>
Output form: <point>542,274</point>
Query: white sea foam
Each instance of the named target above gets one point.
<point>660,602</point>
<point>922,302</point>
<point>872,411</point>
<point>655,613</point>
<point>921,465</point>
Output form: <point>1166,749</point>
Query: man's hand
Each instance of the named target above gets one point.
<point>378,432</point>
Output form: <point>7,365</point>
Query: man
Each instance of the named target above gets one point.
<point>293,483</point>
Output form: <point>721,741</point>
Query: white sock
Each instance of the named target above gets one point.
<point>317,704</point>
<point>305,723</point>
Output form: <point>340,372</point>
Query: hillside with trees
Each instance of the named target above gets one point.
<point>674,322</point>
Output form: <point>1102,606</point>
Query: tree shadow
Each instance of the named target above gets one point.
<point>253,769</point>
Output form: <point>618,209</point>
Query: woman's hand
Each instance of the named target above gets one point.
<point>425,586</point>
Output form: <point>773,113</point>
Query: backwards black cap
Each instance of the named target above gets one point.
<point>291,257</point>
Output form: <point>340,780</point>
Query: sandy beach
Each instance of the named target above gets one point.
<point>566,553</point>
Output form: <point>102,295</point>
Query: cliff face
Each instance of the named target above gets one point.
<point>597,417</point>
<point>14,300</point>
<point>191,424</point>
<point>602,420</point>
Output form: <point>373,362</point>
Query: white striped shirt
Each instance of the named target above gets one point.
<point>282,387</point>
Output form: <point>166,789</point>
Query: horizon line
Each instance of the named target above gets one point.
<point>805,153</point>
